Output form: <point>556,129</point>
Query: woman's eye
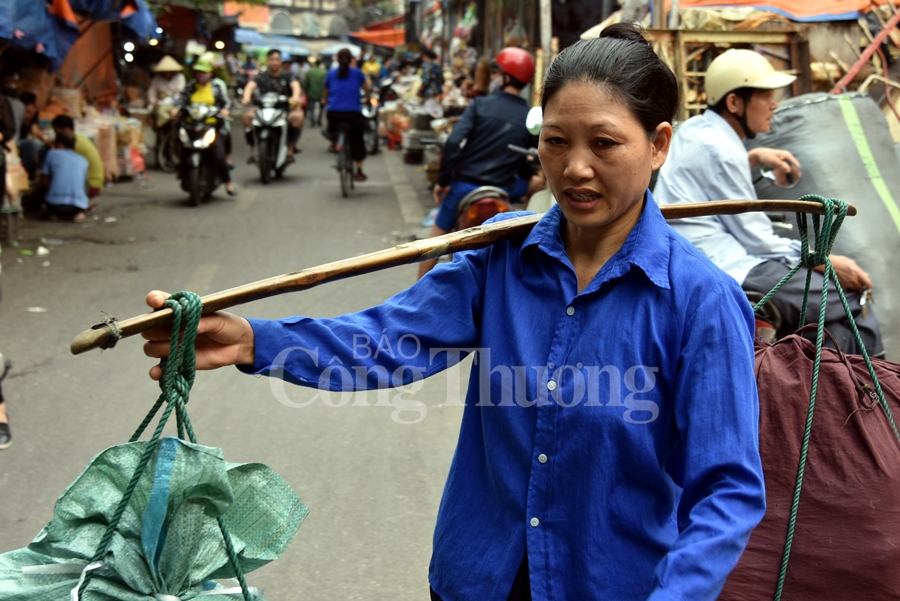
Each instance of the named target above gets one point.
<point>604,142</point>
<point>554,141</point>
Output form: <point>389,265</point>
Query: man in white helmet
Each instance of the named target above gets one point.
<point>708,161</point>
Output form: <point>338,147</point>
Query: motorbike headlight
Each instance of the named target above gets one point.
<point>209,137</point>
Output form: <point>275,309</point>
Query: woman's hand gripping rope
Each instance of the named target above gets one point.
<point>222,339</point>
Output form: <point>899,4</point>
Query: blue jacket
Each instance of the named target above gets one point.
<point>487,126</point>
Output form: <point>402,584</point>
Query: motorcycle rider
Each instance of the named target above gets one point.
<point>476,152</point>
<point>279,80</point>
<point>206,89</point>
<point>168,81</point>
<point>708,161</point>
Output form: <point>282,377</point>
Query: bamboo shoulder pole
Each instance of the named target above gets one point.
<point>105,335</point>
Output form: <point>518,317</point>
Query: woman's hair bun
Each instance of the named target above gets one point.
<point>624,31</point>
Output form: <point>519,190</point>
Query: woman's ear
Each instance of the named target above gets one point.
<point>659,145</point>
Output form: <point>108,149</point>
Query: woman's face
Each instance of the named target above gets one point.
<point>597,156</point>
<point>202,77</point>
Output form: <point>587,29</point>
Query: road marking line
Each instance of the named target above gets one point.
<point>246,199</point>
<point>410,207</point>
<point>202,277</point>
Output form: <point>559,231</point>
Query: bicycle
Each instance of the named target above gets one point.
<point>344,160</point>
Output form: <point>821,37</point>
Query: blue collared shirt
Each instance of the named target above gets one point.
<point>708,161</point>
<point>68,173</point>
<point>611,433</point>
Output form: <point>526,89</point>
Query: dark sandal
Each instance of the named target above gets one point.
<point>5,436</point>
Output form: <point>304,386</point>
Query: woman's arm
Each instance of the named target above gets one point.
<point>718,464</point>
<point>397,337</point>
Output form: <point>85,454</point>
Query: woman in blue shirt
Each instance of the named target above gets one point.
<point>341,99</point>
<point>608,447</point>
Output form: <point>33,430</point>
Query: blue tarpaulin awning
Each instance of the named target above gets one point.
<point>26,24</point>
<point>141,22</point>
<point>355,50</point>
<point>285,43</point>
<point>244,35</point>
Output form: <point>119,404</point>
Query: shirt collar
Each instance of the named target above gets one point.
<point>646,247</point>
<point>719,122</point>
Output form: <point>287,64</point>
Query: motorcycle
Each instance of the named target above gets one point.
<point>197,131</point>
<point>370,112</point>
<point>270,131</point>
<point>479,205</point>
<point>386,92</point>
<point>543,199</point>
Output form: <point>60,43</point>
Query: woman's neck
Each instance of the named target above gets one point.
<point>589,248</point>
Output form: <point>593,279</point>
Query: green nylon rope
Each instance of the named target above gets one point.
<point>824,234</point>
<point>179,370</point>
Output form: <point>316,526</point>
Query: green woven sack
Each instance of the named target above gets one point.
<point>168,540</point>
<point>159,520</point>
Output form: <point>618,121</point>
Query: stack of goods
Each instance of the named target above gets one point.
<point>419,131</point>
<point>70,101</point>
<point>129,146</point>
<point>120,142</point>
<point>399,123</point>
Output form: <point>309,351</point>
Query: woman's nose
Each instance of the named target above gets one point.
<point>578,165</point>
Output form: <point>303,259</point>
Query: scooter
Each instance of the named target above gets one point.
<point>543,199</point>
<point>370,112</point>
<point>270,131</point>
<point>386,92</point>
<point>197,127</point>
<point>479,205</point>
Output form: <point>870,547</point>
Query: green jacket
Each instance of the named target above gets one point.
<point>314,83</point>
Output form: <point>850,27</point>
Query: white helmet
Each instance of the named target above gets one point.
<point>737,68</point>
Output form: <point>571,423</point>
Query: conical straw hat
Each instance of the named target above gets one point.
<point>167,64</point>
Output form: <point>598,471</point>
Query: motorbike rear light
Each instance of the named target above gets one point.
<point>483,210</point>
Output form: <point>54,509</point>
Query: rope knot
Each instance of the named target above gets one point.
<point>824,230</point>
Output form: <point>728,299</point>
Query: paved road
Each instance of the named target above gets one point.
<point>372,484</point>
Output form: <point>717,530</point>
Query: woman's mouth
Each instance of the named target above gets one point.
<point>582,196</point>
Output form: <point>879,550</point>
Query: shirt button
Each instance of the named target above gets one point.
<point>535,522</point>
<point>551,385</point>
<point>570,310</point>
<point>542,458</point>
